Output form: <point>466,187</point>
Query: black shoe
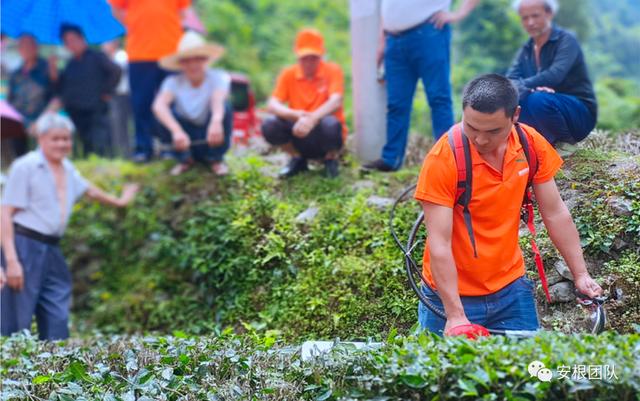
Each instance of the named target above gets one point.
<point>296,165</point>
<point>378,165</point>
<point>331,168</point>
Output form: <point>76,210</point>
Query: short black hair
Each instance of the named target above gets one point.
<point>66,28</point>
<point>489,93</point>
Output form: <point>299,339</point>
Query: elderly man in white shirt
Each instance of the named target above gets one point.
<point>38,199</point>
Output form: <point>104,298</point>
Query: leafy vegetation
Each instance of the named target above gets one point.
<point>199,254</point>
<point>253,367</point>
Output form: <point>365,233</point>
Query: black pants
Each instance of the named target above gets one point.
<point>323,138</point>
<point>94,129</point>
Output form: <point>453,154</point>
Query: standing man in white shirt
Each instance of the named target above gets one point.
<point>415,44</point>
<point>38,199</point>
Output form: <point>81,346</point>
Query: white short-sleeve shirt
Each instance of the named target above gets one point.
<point>194,103</point>
<point>31,189</point>
<point>400,15</point>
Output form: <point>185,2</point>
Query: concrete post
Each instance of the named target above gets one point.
<point>369,96</point>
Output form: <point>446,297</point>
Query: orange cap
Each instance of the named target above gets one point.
<point>309,42</point>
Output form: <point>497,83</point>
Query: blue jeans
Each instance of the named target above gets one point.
<point>145,78</point>
<point>46,292</point>
<point>418,53</point>
<point>560,118</point>
<point>511,308</point>
<point>203,152</point>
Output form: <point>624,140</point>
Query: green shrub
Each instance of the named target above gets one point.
<point>195,253</point>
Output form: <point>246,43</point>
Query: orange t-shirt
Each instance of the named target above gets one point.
<point>309,94</point>
<point>495,204</point>
<point>154,27</point>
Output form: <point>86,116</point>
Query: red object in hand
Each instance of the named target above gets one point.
<point>472,331</point>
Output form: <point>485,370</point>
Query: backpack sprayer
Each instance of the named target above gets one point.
<point>460,147</point>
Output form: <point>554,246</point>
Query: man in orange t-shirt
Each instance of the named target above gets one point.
<point>154,28</point>
<point>307,106</point>
<point>490,289</point>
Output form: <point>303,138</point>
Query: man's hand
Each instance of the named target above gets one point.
<point>304,125</point>
<point>15,275</point>
<point>215,133</point>
<point>586,285</point>
<point>453,322</point>
<point>545,89</point>
<point>441,18</point>
<point>129,192</point>
<point>181,141</point>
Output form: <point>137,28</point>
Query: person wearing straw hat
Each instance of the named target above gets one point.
<point>307,105</point>
<point>192,105</point>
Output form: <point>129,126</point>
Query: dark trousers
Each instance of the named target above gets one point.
<point>323,138</point>
<point>202,152</point>
<point>46,292</point>
<point>119,114</point>
<point>145,78</point>
<point>94,129</point>
<point>559,117</point>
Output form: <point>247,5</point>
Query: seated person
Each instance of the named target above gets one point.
<point>307,104</point>
<point>193,105</point>
<point>550,72</point>
<point>37,203</point>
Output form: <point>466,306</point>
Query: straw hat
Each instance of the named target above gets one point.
<point>191,44</point>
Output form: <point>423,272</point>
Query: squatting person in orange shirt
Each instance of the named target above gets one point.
<point>307,105</point>
<point>482,281</point>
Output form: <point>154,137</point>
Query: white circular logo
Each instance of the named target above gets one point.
<point>534,367</point>
<point>545,375</point>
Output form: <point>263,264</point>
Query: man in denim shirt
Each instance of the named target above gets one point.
<point>30,86</point>
<point>550,72</point>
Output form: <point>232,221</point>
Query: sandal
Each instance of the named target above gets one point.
<point>178,169</point>
<point>220,169</point>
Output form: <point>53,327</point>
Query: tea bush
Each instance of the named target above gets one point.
<point>260,367</point>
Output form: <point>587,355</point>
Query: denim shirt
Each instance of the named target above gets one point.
<point>562,68</point>
<point>30,90</point>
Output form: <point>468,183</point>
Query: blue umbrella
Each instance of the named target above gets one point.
<point>43,18</point>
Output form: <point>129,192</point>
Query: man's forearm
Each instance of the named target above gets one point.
<point>8,238</point>
<point>445,275</point>
<point>99,195</point>
<point>564,235</point>
<point>466,7</point>
<point>282,111</point>
<point>217,106</point>
<point>328,107</point>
